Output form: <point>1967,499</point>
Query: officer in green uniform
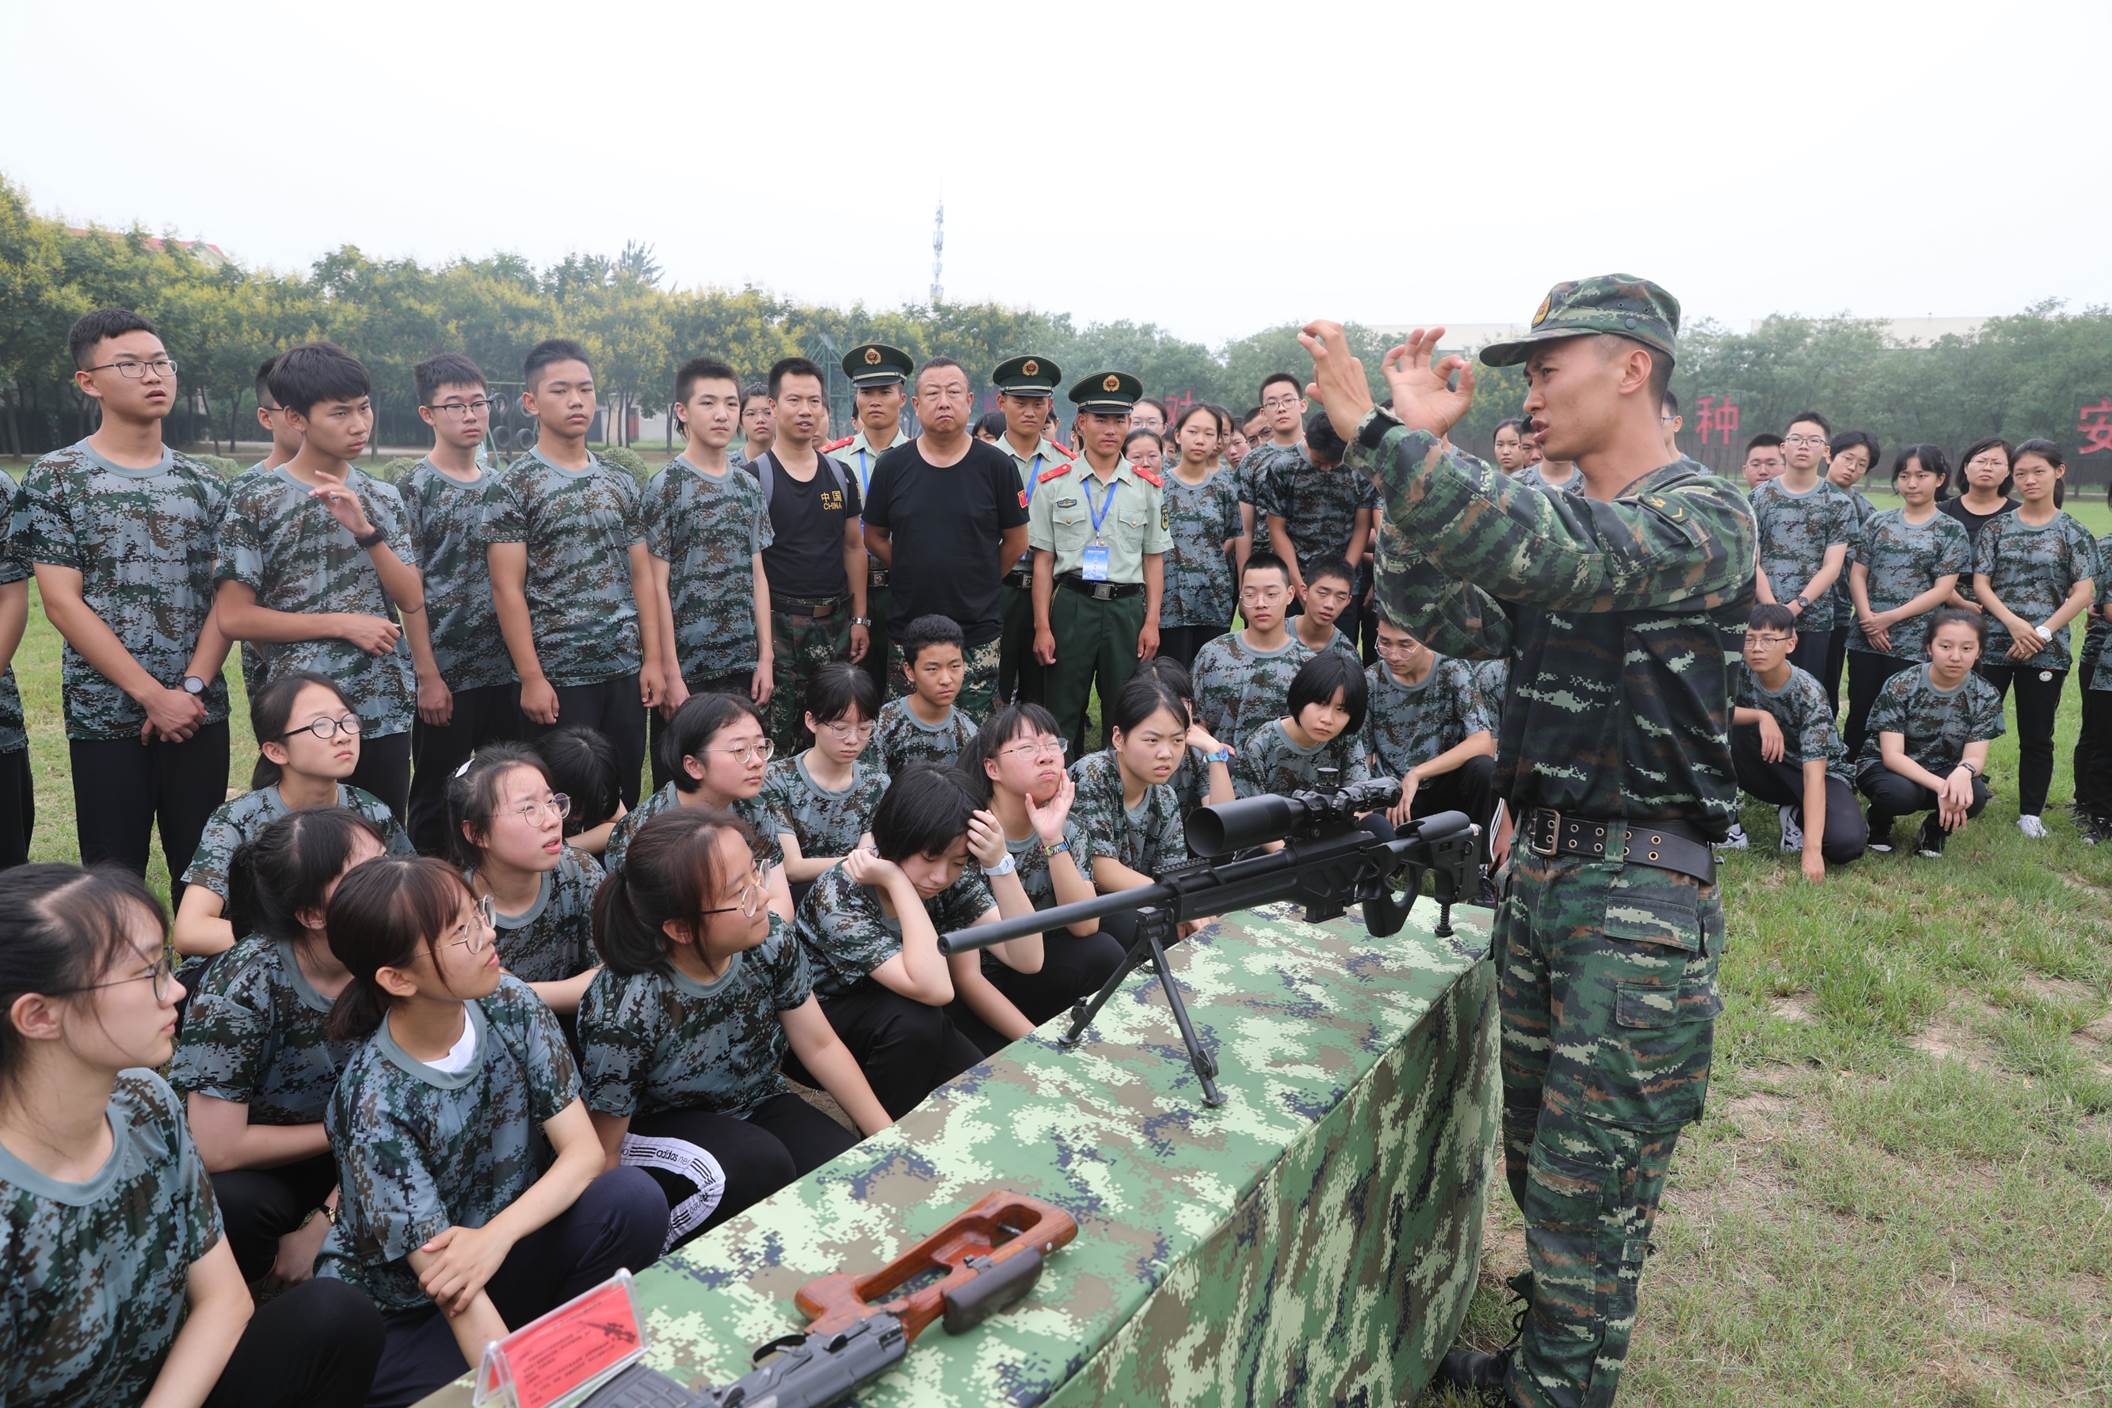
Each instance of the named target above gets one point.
<point>880,389</point>
<point>1097,526</point>
<point>1614,757</point>
<point>1026,394</point>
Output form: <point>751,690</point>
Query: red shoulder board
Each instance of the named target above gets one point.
<point>1067,454</point>
<point>832,449</point>
<point>1148,476</point>
<point>1056,473</point>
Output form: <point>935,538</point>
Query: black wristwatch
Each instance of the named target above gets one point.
<point>193,685</point>
<point>370,540</point>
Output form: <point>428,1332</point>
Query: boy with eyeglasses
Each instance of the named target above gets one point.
<point>474,698</point>
<point>316,562</point>
<point>1275,432</point>
<point>925,725</point>
<point>1787,750</point>
<point>1242,677</point>
<point>820,802</point>
<point>120,532</point>
<point>1805,525</point>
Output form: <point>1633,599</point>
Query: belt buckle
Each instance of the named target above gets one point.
<point>1103,591</point>
<point>1554,834</point>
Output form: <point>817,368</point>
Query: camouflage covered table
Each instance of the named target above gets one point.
<point>1314,1239</point>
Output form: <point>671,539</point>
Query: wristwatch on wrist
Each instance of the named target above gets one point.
<point>1222,755</point>
<point>370,539</point>
<point>1800,602</point>
<point>865,621</point>
<point>1056,850</point>
<point>1005,867</point>
<point>193,685</point>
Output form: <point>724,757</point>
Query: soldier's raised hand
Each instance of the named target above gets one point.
<point>1424,396</point>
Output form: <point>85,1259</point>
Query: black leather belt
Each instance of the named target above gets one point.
<point>877,576</point>
<point>814,608</point>
<point>1668,846</point>
<point>1098,591</point>
<point>1021,577</point>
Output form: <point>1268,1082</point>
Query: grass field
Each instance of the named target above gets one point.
<point>1901,1193</point>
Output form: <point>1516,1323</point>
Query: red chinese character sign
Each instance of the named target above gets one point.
<point>1715,415</point>
<point>2094,425</point>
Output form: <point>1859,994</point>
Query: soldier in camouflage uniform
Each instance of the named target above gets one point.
<point>879,377</point>
<point>706,528</point>
<point>119,530</point>
<point>18,797</point>
<point>1805,525</point>
<point>1614,758</point>
<point>1944,715</point>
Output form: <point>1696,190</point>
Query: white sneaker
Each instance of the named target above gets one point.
<point>1792,832</point>
<point>1736,841</point>
<point>2031,826</point>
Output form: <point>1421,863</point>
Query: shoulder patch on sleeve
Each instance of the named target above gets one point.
<point>1150,477</point>
<point>832,448</point>
<point>1056,473</point>
<point>1067,454</point>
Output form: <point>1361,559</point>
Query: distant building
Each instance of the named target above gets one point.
<point>210,255</point>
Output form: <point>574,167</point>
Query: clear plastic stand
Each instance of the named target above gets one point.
<point>567,1352</point>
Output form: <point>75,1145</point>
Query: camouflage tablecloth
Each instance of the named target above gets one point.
<point>1314,1239</point>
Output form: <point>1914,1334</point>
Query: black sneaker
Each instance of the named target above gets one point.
<point>1930,845</point>
<point>1880,835</point>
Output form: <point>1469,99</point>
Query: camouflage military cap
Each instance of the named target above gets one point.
<point>1108,393</point>
<point>1617,303</point>
<point>877,364</point>
<point>1027,376</point>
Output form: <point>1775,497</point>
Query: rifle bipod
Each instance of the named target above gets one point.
<point>1156,928</point>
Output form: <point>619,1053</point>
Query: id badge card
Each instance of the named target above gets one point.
<point>1093,567</point>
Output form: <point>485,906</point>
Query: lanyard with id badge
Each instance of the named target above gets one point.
<point>1093,566</point>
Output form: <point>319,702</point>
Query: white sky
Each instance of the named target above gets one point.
<point>1213,168</point>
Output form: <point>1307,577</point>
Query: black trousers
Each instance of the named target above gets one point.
<point>1810,654</point>
<point>610,707</point>
<point>1018,672</point>
<point>123,788</point>
<point>1073,966</point>
<point>260,1205</point>
<point>1867,673</point>
<point>1469,788</point>
<point>1836,659</point>
<point>618,1223</point>
<point>1183,642</point>
<point>714,1166</point>
<point>385,770</point>
<point>1782,784</point>
<point>906,1048</point>
<point>2038,703</point>
<point>2093,755</point>
<point>313,1346</point>
<point>18,807</point>
<point>1894,796</point>
<point>482,716</point>
<point>735,682</point>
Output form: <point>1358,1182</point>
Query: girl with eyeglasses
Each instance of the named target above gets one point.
<point>308,739</point>
<point>117,1285</point>
<point>255,1062</point>
<point>684,1031</point>
<point>719,754</point>
<point>506,829</point>
<point>1984,471</point>
<point>474,1193</point>
<point>1907,564</point>
<point>1132,818</point>
<point>819,803</point>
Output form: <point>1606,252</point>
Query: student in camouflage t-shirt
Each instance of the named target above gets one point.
<point>1786,749</point>
<point>476,700</point>
<point>1319,510</point>
<point>1926,744</point>
<point>926,725</point>
<point>1241,677</point>
<point>1203,520</point>
<point>1804,532</point>
<point>1907,563</point>
<point>820,803</point>
<point>464,1098</point>
<point>1131,816</point>
<point>1204,772</point>
<point>570,575</point>
<point>18,798</point>
<point>116,1286</point>
<point>1428,723</point>
<point>1323,729</point>
<point>684,1033</point>
<point>119,530</point>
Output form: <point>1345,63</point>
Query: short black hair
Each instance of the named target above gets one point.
<point>317,371</point>
<point>990,423</point>
<point>837,688</point>
<point>1318,680</point>
<point>581,763</point>
<point>1763,441</point>
<point>1814,417</point>
<point>1007,723</point>
<point>1332,567</point>
<point>1932,459</point>
<point>937,362</point>
<point>1143,696</point>
<point>922,813</point>
<point>263,382</point>
<point>793,366</point>
<point>1270,380</point>
<point>926,631</point>
<point>91,328</point>
<point>1253,412</point>
<point>1958,616</point>
<point>1771,616</point>
<point>1981,447</point>
<point>1514,423</point>
<point>447,369</point>
<point>752,390</point>
<point>1155,403</point>
<point>1143,432</point>
<point>549,350</point>
<point>695,724</point>
<point>1264,562</point>
<point>1849,439</point>
<point>1321,442</point>
<point>1669,402</point>
<point>698,369</point>
<point>1171,670</point>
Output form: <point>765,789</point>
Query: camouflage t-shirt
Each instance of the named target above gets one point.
<point>553,939</point>
<point>447,524</point>
<point>579,529</point>
<point>1935,724</point>
<point>1615,611</point>
<point>1270,762</point>
<point>420,1150</point>
<point>1493,679</point>
<point>241,821</point>
<point>2097,670</point>
<point>1237,686</point>
<point>14,733</point>
<point>1261,465</point>
<point>1336,640</point>
<point>254,1035</point>
<point>1406,725</point>
<point>664,1041</point>
<point>707,529</point>
<point>826,823</point>
<point>1191,780</point>
<point>2032,568</point>
<point>1805,714</point>
<point>1843,606</point>
<point>1795,531</point>
<point>749,809</point>
<point>1318,507</point>
<point>1146,839</point>
<point>93,1286</point>
<point>1031,859</point>
<point>846,936</point>
<point>902,740</point>
<point>1201,519</point>
<point>144,543</point>
<point>1902,560</point>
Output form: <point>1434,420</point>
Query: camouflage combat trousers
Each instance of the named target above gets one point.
<point>1606,980</point>
<point>800,645</point>
<point>978,696</point>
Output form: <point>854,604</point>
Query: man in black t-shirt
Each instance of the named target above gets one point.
<point>946,513</point>
<point>815,564</point>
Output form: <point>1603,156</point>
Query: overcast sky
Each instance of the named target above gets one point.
<point>1381,162</point>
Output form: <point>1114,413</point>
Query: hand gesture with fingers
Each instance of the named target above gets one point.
<point>1424,397</point>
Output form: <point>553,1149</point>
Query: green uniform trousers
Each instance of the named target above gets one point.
<point>1018,672</point>
<point>1094,640</point>
<point>800,645</point>
<point>877,662</point>
<point>1606,980</point>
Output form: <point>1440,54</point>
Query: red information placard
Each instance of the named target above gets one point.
<point>556,1355</point>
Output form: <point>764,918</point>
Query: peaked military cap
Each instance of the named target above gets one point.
<point>1621,304</point>
<point>877,364</point>
<point>1027,376</point>
<point>1108,393</point>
